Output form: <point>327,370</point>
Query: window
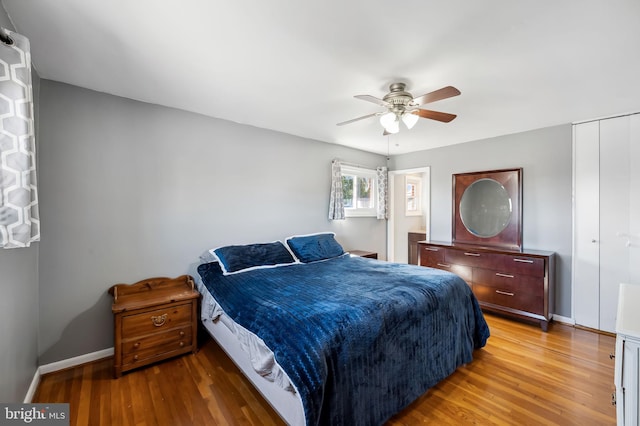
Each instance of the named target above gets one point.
<point>413,203</point>
<point>359,191</point>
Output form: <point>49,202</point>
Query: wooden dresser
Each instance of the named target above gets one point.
<point>154,319</point>
<point>515,283</point>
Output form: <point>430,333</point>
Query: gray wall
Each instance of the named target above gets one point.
<point>545,157</point>
<point>130,190</point>
<point>18,305</point>
<point>18,321</point>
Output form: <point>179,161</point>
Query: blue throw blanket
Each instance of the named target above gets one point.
<point>359,338</point>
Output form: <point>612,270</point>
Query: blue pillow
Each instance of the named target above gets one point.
<point>234,259</point>
<point>311,248</point>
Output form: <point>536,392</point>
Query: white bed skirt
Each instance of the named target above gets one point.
<point>286,402</point>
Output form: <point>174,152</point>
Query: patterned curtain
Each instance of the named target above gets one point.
<point>382,185</point>
<point>19,218</point>
<point>336,202</point>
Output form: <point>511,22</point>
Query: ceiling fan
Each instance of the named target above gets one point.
<point>402,106</point>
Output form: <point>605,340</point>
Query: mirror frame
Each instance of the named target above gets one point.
<point>511,236</point>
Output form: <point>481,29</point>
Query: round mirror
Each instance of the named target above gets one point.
<point>485,208</point>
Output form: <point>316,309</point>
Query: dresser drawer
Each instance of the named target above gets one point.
<point>157,320</point>
<point>464,272</point>
<point>515,299</point>
<point>521,265</point>
<point>509,282</point>
<point>430,255</point>
<point>136,350</point>
<point>471,258</point>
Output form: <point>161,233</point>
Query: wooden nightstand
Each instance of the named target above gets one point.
<point>364,253</point>
<point>154,319</point>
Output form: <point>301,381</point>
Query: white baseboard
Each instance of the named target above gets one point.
<point>61,365</point>
<point>77,360</point>
<point>564,320</point>
<point>32,388</point>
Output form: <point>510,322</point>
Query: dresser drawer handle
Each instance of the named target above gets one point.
<point>182,334</point>
<point>444,265</point>
<point>472,254</point>
<point>503,275</point>
<point>431,248</point>
<point>136,345</point>
<point>182,344</point>
<point>159,320</point>
<point>505,293</point>
<point>523,260</point>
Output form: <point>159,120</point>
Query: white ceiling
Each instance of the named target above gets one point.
<point>294,66</point>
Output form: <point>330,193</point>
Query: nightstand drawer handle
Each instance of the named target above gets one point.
<point>523,260</point>
<point>182,334</point>
<point>431,248</point>
<point>444,265</point>
<point>182,344</point>
<point>136,345</point>
<point>505,293</point>
<point>159,320</point>
<point>472,254</point>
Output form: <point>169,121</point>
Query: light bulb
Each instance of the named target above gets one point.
<point>390,122</point>
<point>409,119</point>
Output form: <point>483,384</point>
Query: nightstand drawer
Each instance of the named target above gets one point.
<point>157,320</point>
<point>156,344</point>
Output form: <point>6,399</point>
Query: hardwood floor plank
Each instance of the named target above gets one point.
<point>523,376</point>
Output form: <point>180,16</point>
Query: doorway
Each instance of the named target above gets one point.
<point>409,210</point>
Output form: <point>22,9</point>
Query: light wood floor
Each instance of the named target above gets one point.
<point>522,377</point>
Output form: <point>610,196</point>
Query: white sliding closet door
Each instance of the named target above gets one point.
<point>606,217</point>
<point>634,204</point>
<point>586,255</point>
<point>615,195</point>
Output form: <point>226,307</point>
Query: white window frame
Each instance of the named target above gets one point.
<point>417,181</point>
<point>362,173</point>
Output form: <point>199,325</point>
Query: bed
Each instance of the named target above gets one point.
<point>330,338</point>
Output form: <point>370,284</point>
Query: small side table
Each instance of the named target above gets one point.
<point>154,319</point>
<point>364,253</point>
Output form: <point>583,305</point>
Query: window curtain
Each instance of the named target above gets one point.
<point>382,185</point>
<point>336,201</point>
<point>19,218</point>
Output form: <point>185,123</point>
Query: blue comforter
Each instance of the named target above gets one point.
<point>359,338</point>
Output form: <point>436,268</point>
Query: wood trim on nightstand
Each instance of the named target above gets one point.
<point>364,253</point>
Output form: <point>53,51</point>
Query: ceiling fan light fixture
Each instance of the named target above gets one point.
<point>409,119</point>
<point>390,122</point>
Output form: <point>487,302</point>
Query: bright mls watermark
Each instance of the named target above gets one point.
<point>34,414</point>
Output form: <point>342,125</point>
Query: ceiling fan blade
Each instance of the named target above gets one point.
<point>357,119</point>
<point>437,95</point>
<point>434,115</point>
<point>373,99</point>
